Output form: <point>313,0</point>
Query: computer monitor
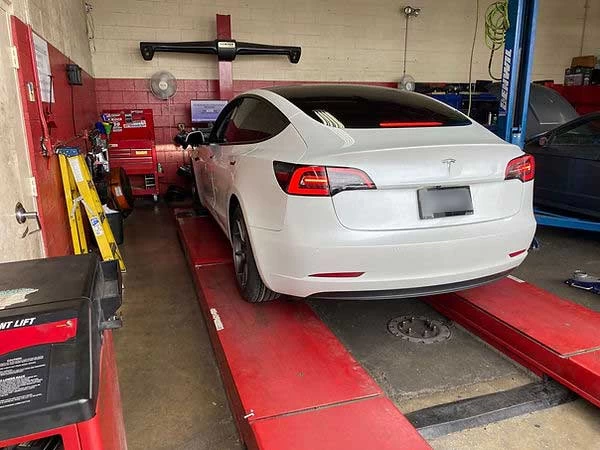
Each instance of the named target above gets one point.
<point>206,111</point>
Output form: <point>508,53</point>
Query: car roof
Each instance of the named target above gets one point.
<point>304,91</point>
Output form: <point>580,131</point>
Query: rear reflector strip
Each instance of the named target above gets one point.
<point>520,252</point>
<point>337,274</point>
<point>409,124</point>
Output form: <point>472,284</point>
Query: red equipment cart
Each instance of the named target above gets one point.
<point>132,147</point>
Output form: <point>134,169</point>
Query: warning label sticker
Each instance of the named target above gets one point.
<point>76,169</point>
<point>23,378</point>
<point>135,124</point>
<point>96,226</point>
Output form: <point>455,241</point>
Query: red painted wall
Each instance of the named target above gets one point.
<point>123,93</point>
<point>73,110</point>
<point>585,99</point>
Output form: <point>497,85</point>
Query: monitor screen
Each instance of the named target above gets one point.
<point>206,110</point>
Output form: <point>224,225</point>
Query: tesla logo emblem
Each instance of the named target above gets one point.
<point>449,163</point>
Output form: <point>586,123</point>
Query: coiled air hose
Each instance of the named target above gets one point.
<point>496,25</point>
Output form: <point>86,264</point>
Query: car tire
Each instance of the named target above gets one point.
<point>248,278</point>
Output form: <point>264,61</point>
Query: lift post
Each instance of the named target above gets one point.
<point>514,96</point>
<point>516,70</point>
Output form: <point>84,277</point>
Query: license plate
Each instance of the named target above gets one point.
<point>445,202</point>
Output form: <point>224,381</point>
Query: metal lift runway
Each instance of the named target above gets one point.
<point>292,383</point>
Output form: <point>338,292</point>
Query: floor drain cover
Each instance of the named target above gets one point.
<point>419,329</point>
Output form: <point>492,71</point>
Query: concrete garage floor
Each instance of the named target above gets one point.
<point>171,389</point>
<point>417,376</point>
<point>172,392</point>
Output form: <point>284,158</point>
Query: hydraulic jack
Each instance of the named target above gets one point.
<point>585,281</point>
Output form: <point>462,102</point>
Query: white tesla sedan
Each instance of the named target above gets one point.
<point>360,192</point>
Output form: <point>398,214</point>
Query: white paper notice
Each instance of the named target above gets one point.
<point>42,59</point>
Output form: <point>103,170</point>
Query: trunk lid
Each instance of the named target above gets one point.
<point>399,165</point>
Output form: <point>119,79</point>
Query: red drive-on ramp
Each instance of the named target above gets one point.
<point>291,384</point>
<point>543,332</point>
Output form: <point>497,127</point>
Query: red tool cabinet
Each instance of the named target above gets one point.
<point>132,147</point>
<point>59,388</point>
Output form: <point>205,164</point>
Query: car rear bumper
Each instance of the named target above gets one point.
<point>403,262</point>
<point>410,292</point>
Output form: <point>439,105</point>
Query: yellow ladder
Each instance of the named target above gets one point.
<point>79,189</point>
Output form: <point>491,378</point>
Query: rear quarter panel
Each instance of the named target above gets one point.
<point>262,200</point>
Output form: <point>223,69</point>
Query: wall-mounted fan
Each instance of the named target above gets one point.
<point>163,85</point>
<point>406,83</point>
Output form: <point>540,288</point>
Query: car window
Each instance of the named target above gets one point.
<point>587,133</point>
<point>348,106</point>
<point>218,132</point>
<point>253,120</point>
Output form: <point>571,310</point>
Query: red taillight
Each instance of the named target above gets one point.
<point>409,124</point>
<point>319,181</point>
<point>521,168</point>
<point>310,180</point>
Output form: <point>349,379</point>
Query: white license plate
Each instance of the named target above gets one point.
<point>445,202</point>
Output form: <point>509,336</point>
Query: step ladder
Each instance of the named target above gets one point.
<point>80,190</point>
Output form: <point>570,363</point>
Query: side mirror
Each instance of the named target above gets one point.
<point>195,139</point>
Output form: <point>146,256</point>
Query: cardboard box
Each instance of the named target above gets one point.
<point>581,76</point>
<point>584,61</point>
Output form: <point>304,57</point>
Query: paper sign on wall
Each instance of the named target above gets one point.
<point>42,58</point>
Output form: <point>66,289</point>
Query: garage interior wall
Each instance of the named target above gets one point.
<point>341,40</point>
<point>350,40</point>
<point>63,24</point>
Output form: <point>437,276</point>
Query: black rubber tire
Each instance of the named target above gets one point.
<point>248,279</point>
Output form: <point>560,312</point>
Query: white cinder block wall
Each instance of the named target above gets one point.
<point>62,23</point>
<point>340,39</point>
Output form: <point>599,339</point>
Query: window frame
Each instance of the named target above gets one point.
<point>232,106</point>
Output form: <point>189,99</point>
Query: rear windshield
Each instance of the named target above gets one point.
<point>347,106</point>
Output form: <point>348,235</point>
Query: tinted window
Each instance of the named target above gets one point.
<point>348,106</point>
<point>587,133</point>
<point>252,121</point>
<point>222,122</point>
